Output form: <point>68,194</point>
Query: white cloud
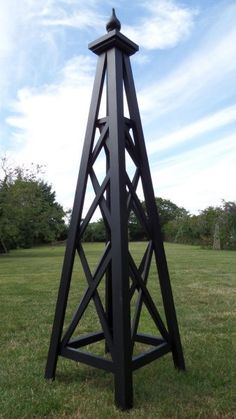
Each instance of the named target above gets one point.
<point>28,46</point>
<point>49,125</point>
<point>81,15</point>
<point>202,126</point>
<point>198,75</point>
<point>81,19</point>
<point>204,175</point>
<point>18,30</point>
<point>164,26</point>
<point>7,32</point>
<point>200,177</point>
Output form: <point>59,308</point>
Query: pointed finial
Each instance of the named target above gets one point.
<point>113,23</point>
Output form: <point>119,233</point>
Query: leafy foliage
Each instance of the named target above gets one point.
<point>228,225</point>
<point>95,232</point>
<point>29,213</point>
<point>179,226</point>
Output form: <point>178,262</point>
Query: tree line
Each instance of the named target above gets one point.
<point>213,227</point>
<point>29,212</point>
<point>30,215</point>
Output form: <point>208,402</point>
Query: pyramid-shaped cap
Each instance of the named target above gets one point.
<point>114,38</point>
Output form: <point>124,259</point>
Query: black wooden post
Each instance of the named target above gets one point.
<point>116,197</point>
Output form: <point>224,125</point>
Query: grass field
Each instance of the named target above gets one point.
<point>204,285</point>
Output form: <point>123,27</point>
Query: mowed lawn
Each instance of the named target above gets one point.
<point>204,287</point>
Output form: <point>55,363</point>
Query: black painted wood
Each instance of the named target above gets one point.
<point>116,196</point>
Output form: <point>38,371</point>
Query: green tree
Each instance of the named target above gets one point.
<point>188,230</point>
<point>213,222</point>
<point>228,225</point>
<point>95,232</point>
<point>207,221</point>
<point>170,216</point>
<point>29,213</point>
<point>136,230</point>
<point>168,211</point>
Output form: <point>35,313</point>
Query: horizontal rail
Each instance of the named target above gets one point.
<point>149,356</point>
<point>87,358</point>
<point>85,340</point>
<point>148,339</point>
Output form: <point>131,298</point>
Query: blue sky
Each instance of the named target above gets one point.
<point>185,80</point>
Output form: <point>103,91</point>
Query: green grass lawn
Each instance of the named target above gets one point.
<point>204,283</point>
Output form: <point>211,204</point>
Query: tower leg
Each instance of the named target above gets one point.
<point>119,235</point>
<point>75,222</point>
<point>161,263</point>
<point>108,303</point>
<point>121,325</point>
<point>123,388</point>
<point>60,313</point>
<point>169,307</point>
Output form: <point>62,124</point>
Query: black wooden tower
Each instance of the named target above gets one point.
<point>120,138</point>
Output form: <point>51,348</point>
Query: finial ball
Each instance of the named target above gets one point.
<point>113,23</point>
